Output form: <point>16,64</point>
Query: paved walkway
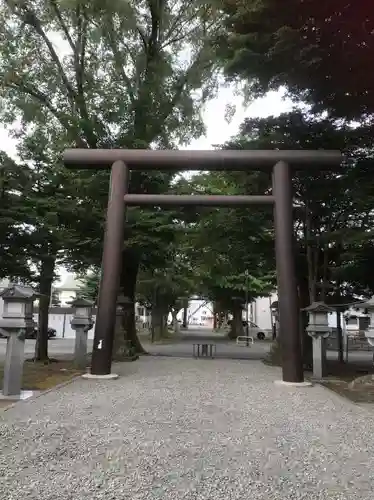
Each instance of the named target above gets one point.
<point>187,429</point>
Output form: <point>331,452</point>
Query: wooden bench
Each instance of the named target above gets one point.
<point>204,350</point>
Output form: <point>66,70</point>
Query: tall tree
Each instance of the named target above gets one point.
<point>232,249</point>
<point>335,215</point>
<point>14,179</point>
<point>320,51</point>
<point>108,74</point>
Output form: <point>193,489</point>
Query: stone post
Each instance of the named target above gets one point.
<point>81,322</point>
<point>319,330</point>
<point>16,320</point>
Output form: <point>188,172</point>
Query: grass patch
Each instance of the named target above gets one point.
<point>341,376</point>
<point>358,395</point>
<point>40,377</point>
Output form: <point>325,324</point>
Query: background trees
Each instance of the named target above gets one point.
<point>320,51</point>
<point>131,74</point>
<point>136,75</point>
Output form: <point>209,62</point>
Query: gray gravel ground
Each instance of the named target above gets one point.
<point>187,429</point>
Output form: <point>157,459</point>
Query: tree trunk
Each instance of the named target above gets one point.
<point>185,313</point>
<point>45,288</point>
<point>129,274</point>
<point>236,323</point>
<point>339,335</point>
<point>174,315</point>
<point>159,328</point>
<point>120,343</point>
<point>307,290</point>
<point>339,311</point>
<point>215,316</point>
<point>307,341</point>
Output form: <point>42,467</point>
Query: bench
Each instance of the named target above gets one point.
<point>244,340</point>
<point>204,350</point>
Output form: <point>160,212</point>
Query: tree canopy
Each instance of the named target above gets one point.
<point>320,51</point>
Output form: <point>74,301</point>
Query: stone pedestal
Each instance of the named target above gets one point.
<point>319,356</point>
<point>13,366</point>
<point>80,349</point>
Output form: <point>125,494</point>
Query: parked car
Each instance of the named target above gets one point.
<point>254,330</point>
<point>32,335</point>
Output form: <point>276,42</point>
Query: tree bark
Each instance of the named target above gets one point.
<point>129,274</point>
<point>307,290</point>
<point>307,341</point>
<point>339,311</point>
<point>47,268</point>
<point>121,348</point>
<point>159,326</point>
<point>236,323</point>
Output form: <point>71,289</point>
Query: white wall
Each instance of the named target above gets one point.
<point>261,312</point>
<point>61,323</point>
<point>198,314</point>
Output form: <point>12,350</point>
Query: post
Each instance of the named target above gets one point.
<point>110,271</point>
<point>319,357</point>
<point>289,335</point>
<point>13,365</point>
<point>15,322</point>
<point>80,347</point>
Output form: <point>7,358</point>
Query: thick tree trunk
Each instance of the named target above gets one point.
<point>159,323</point>
<point>129,274</point>
<point>45,287</point>
<point>236,323</point>
<point>120,343</point>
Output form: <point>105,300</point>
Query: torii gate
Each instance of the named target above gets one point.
<point>121,161</point>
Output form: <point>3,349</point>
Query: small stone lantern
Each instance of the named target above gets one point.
<point>319,330</point>
<point>369,333</point>
<point>81,322</point>
<point>16,320</point>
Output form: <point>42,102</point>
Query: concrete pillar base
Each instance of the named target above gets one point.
<point>109,376</point>
<point>18,397</point>
<point>293,384</point>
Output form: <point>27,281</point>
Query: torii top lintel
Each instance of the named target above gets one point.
<point>148,159</point>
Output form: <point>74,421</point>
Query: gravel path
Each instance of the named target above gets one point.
<point>175,429</point>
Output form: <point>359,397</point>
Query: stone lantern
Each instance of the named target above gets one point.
<point>319,330</point>
<point>369,332</point>
<point>81,322</point>
<point>17,319</point>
